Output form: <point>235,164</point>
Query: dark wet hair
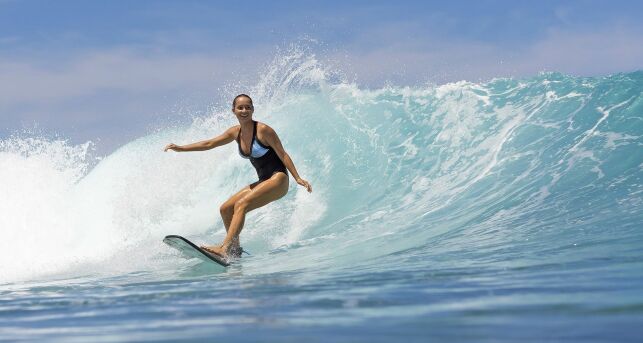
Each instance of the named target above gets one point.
<point>234,102</point>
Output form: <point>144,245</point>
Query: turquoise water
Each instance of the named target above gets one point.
<point>509,210</point>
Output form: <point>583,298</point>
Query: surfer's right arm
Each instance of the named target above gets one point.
<point>222,139</point>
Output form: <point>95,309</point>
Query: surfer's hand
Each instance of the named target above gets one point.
<point>171,146</point>
<point>305,183</point>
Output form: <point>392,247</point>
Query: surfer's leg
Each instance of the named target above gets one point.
<point>260,195</point>
<point>227,208</point>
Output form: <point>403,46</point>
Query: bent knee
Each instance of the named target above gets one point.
<point>241,205</point>
<point>226,209</point>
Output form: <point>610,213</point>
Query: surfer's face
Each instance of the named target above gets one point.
<point>243,109</point>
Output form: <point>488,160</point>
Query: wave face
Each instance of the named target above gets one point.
<point>508,174</point>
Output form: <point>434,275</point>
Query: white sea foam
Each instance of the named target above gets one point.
<point>392,169</point>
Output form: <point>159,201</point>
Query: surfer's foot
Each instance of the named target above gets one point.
<point>215,249</point>
<point>223,252</point>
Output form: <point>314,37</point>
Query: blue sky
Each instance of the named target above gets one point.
<point>109,71</point>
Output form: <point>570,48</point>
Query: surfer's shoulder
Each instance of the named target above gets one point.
<point>266,134</point>
<point>264,129</point>
<point>232,132</point>
<point>234,129</point>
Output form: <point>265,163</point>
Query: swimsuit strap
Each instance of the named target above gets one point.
<point>254,134</point>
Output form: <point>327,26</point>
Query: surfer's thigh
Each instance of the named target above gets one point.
<point>264,193</point>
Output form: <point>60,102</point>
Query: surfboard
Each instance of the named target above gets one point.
<point>190,249</point>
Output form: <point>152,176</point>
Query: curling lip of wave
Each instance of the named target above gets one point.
<point>507,166</point>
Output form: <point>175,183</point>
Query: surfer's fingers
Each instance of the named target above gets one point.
<point>307,185</point>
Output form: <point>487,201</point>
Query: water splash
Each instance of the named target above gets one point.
<point>511,171</point>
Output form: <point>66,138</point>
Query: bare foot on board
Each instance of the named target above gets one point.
<point>215,249</point>
<point>219,250</point>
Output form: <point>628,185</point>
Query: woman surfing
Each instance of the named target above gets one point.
<point>260,144</point>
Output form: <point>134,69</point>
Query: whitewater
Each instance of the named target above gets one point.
<point>494,211</point>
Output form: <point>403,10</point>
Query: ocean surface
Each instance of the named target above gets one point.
<point>503,211</point>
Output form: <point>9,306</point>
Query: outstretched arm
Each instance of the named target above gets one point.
<point>222,139</point>
<point>270,137</point>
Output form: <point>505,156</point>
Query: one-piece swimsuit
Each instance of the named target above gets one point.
<point>262,157</point>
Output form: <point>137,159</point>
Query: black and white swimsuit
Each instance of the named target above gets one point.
<point>262,157</point>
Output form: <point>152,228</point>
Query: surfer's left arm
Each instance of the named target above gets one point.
<point>270,137</point>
